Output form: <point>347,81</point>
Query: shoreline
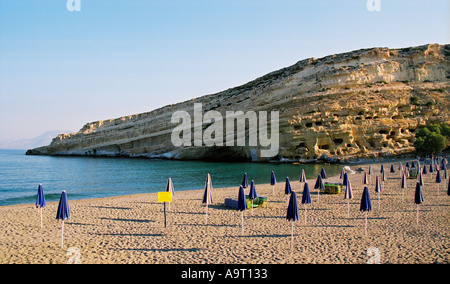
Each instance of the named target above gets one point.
<point>130,228</point>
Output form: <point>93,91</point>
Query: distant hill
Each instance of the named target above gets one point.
<point>41,140</point>
<point>362,104</point>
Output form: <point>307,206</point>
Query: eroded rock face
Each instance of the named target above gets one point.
<point>362,104</point>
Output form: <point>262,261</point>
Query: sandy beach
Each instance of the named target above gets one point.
<point>130,229</point>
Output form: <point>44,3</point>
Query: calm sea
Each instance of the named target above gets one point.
<point>84,177</point>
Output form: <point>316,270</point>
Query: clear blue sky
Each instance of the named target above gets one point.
<point>61,69</point>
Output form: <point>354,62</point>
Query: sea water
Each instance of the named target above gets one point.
<point>89,177</point>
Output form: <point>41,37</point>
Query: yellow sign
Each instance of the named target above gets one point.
<point>165,196</point>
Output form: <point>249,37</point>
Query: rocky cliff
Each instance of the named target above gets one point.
<point>361,104</point>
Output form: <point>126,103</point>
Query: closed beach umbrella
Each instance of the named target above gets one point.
<point>273,182</point>
<point>306,197</point>
<point>348,195</point>
<point>365,180</point>
<point>366,205</point>
<point>378,190</point>
<point>244,181</point>
<point>403,185</point>
<point>392,168</point>
<point>40,200</point>
<point>341,176</point>
<point>407,165</point>
<point>303,176</point>
<point>287,187</point>
<point>242,205</point>
<point>400,166</point>
<point>448,189</point>
<point>169,188</point>
<point>420,178</point>
<point>292,213</point>
<point>424,170</point>
<point>252,194</point>
<point>345,179</point>
<point>382,169</point>
<point>418,199</point>
<point>431,168</point>
<point>323,173</point>
<point>63,212</point>
<point>207,195</point>
<point>438,179</point>
<point>319,185</point>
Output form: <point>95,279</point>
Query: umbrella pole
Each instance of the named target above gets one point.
<point>62,234</point>
<point>273,190</point>
<point>417,218</point>
<point>365,225</point>
<point>242,222</point>
<point>165,216</point>
<point>292,234</point>
<point>41,216</point>
<point>252,207</point>
<point>305,213</point>
<point>378,201</point>
<point>403,193</point>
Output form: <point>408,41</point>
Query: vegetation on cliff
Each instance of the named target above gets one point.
<point>432,139</point>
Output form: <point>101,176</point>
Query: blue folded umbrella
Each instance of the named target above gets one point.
<point>323,173</point>
<point>448,189</point>
<point>292,213</point>
<point>366,204</point>
<point>169,186</point>
<point>242,202</point>
<point>273,180</point>
<point>242,205</point>
<point>438,177</point>
<point>319,183</point>
<point>287,186</point>
<point>345,179</point>
<point>403,183</point>
<point>392,168</point>
<point>63,207</point>
<point>252,194</point>
<point>244,181</point>
<point>40,198</point>
<point>424,170</point>
<point>418,196</point>
<point>63,212</point>
<point>378,185</point>
<point>207,193</point>
<point>348,191</point>
<point>418,199</point>
<point>303,176</point>
<point>365,180</point>
<point>306,196</point>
